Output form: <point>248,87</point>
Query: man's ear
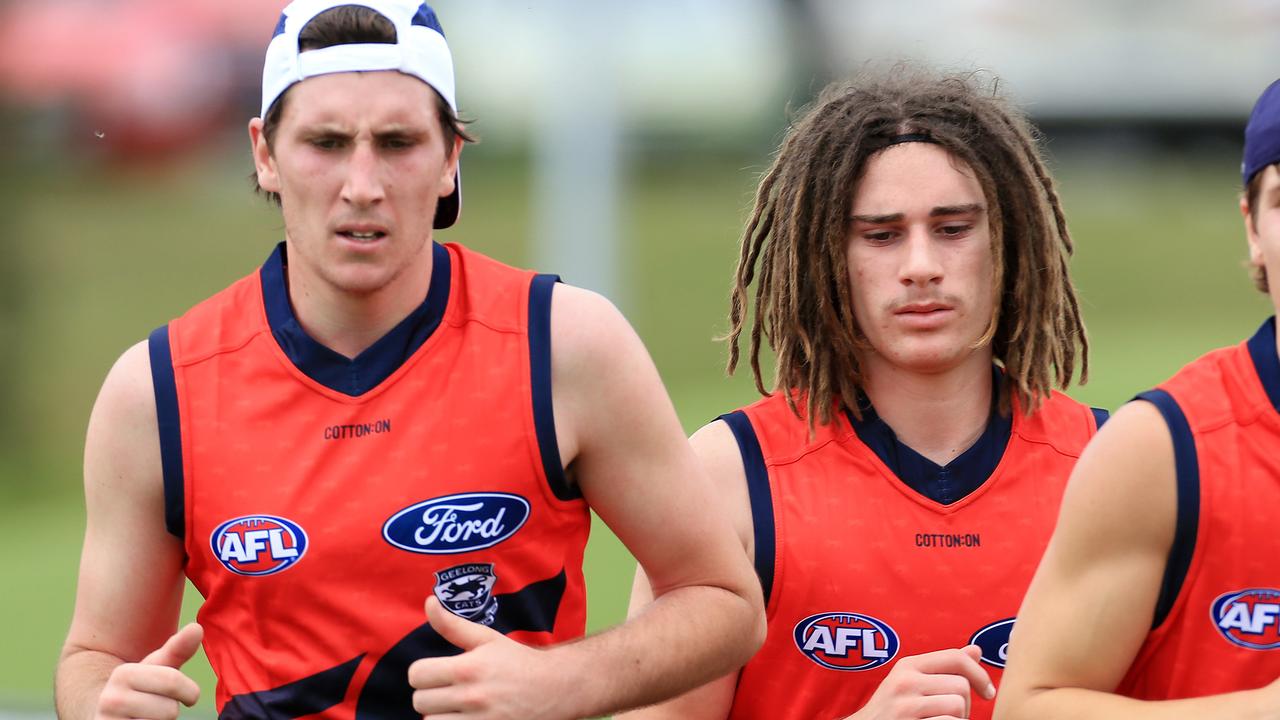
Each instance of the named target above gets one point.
<point>263,161</point>
<point>449,175</point>
<point>1251,234</point>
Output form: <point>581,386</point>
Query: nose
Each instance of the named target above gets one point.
<point>363,186</point>
<point>922,262</point>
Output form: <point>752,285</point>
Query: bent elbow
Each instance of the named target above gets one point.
<point>761,629</point>
<point>1014,703</point>
<point>755,627</point>
<point>1007,708</point>
<point>743,624</point>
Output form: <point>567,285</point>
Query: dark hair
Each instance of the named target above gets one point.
<point>1251,192</point>
<point>345,25</point>
<point>797,237</point>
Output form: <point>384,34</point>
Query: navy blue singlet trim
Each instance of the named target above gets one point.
<point>1100,416</point>
<point>356,376</point>
<point>760,494</point>
<point>544,420</point>
<point>1262,348</point>
<point>943,484</point>
<point>1187,467</point>
<point>166,391</point>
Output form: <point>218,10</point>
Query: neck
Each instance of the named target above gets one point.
<point>939,415</point>
<point>347,322</point>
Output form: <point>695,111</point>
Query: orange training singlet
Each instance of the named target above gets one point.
<point>860,570</point>
<point>321,500</point>
<point>1217,621</point>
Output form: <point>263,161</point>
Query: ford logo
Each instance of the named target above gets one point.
<point>994,641</point>
<point>457,523</point>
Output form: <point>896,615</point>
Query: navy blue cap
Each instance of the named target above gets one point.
<point>1262,134</point>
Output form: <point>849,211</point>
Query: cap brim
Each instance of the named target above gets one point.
<point>450,206</point>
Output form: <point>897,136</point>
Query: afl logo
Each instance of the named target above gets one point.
<point>1249,618</point>
<point>994,641</point>
<point>258,544</point>
<point>457,523</point>
<point>846,641</point>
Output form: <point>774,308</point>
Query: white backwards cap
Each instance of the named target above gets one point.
<point>420,50</point>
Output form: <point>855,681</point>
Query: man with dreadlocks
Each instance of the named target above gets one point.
<point>1158,596</point>
<point>897,487</point>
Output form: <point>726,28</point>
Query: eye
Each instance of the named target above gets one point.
<point>325,143</point>
<point>398,142</point>
<point>879,236</point>
<point>955,230</point>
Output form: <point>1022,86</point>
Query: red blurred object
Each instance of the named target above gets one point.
<point>146,79</point>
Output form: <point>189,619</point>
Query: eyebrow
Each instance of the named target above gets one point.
<point>396,130</point>
<point>940,211</point>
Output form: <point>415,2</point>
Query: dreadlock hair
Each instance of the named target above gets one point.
<point>794,245</point>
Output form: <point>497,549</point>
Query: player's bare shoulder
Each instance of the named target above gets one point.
<point>586,328</point>
<point>1124,482</point>
<point>600,369</point>
<point>130,376</point>
<point>718,450</point>
<point>123,440</point>
<point>1135,436</point>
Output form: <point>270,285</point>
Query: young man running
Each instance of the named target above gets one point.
<point>897,487</point>
<point>374,422</point>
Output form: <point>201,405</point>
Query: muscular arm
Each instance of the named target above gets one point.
<point>617,427</point>
<point>929,685</point>
<point>617,431</point>
<point>718,451</point>
<point>130,584</point>
<point>1090,605</point>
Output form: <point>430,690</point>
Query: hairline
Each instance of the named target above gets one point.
<point>277,107</point>
<point>1253,189</point>
<point>1027,230</point>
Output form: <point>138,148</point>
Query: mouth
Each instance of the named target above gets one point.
<point>926,309</point>
<point>924,316</point>
<point>362,236</point>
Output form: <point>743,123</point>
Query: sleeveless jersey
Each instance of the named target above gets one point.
<point>860,570</point>
<point>1221,632</point>
<point>322,500</point>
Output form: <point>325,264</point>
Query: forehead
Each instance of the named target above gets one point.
<point>914,174</point>
<point>384,96</point>
<point>1269,178</point>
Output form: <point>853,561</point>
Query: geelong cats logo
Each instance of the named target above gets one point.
<point>467,591</point>
<point>457,523</point>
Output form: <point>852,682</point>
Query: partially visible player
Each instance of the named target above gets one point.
<point>1159,596</point>
<point>897,487</point>
<point>375,456</point>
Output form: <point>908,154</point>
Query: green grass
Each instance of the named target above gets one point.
<point>106,256</point>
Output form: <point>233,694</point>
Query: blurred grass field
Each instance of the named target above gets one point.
<point>97,258</point>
